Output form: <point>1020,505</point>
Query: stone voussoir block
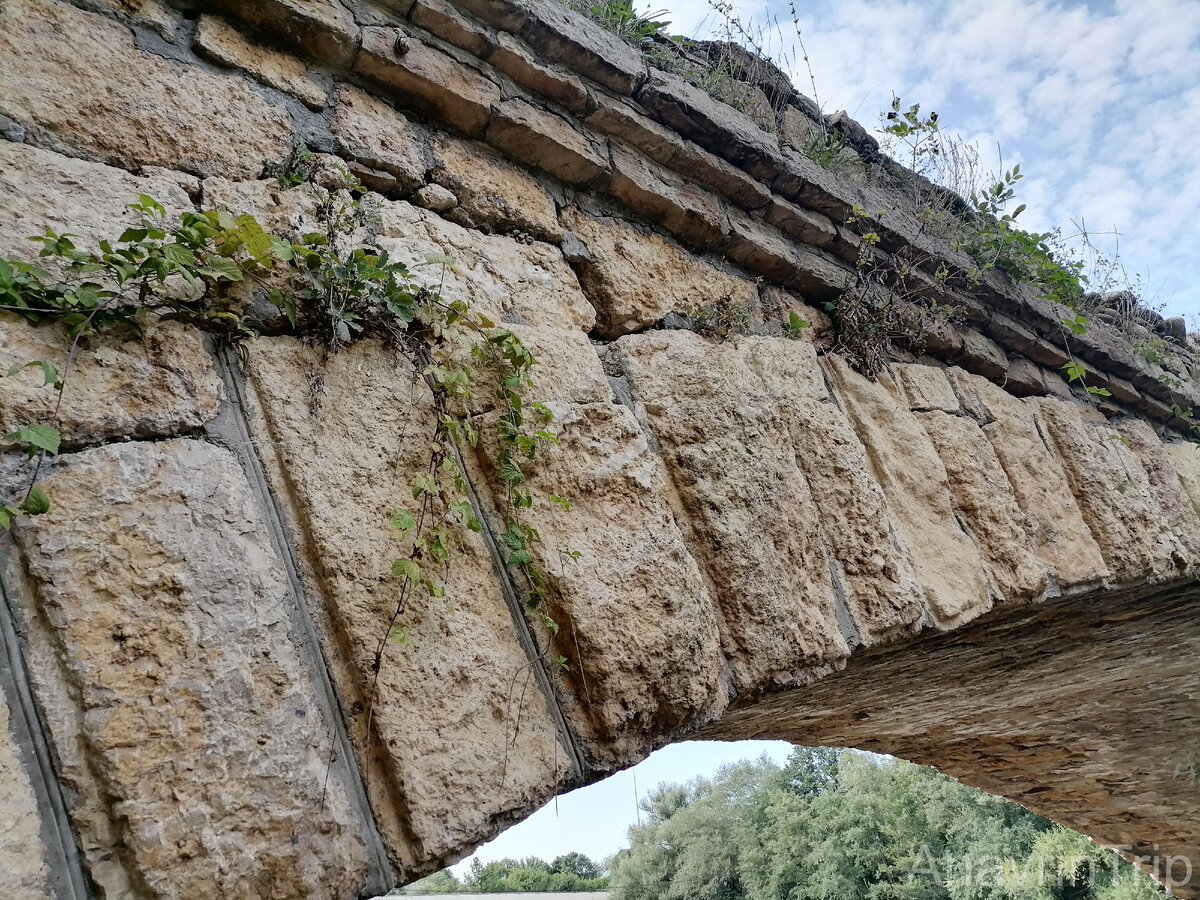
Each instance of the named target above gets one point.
<point>373,134</point>
<point>512,57</point>
<point>548,141</point>
<point>426,79</point>
<point>321,30</point>
<point>803,225</point>
<point>690,213</point>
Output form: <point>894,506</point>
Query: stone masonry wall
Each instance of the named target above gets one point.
<point>770,543</point>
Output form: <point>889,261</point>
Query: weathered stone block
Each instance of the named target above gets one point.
<point>1053,521</point>
<point>516,61</point>
<point>758,249</point>
<point>635,278</point>
<point>693,215</point>
<point>802,224</point>
<point>914,480</point>
<point>985,500</point>
<point>125,106</point>
<point>320,30</point>
<point>573,39</point>
<point>1114,494</point>
<point>627,683</point>
<point>1165,485</point>
<point>23,871</point>
<point>427,80</point>
<point>445,765</point>
<point>1024,378</point>
<point>160,385</point>
<point>218,41</point>
<point>925,388</point>
<point>495,194</point>
<point>713,125</point>
<point>372,133</point>
<point>547,141</point>
<point>440,18</point>
<point>747,513</point>
<point>185,720</point>
<point>981,356</point>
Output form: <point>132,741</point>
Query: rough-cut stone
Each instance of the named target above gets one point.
<point>42,190</point>
<point>758,249</point>
<point>320,30</point>
<point>197,754</point>
<point>985,501</point>
<point>1114,494</point>
<point>126,106</point>
<point>519,63</point>
<point>1165,485</point>
<point>23,871</point>
<point>625,681</point>
<point>163,384</point>
<point>915,483</point>
<point>925,387</point>
<point>981,356</point>
<point>151,13</point>
<point>445,763</point>
<point>1053,521</point>
<point>712,124</point>
<point>1024,378</point>
<point>636,278</point>
<point>1185,460</point>
<point>547,141</point>
<point>221,43</point>
<point>746,509</point>
<point>435,197</point>
<point>802,224</point>
<point>573,39</point>
<point>427,80</point>
<point>693,215</point>
<point>494,194</point>
<point>375,135</point>
<point>443,20</point>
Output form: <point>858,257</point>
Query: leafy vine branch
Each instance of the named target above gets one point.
<point>334,291</point>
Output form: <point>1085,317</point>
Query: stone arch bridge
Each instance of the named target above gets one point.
<point>968,561</point>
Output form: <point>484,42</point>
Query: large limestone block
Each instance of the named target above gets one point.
<point>1165,485</point>
<point>184,717</point>
<point>321,30</point>
<point>224,44</point>
<point>1053,521</point>
<point>446,764</point>
<point>41,190</point>
<point>637,624</point>
<point>635,277</point>
<point>374,134</point>
<point>159,385</point>
<point>1185,460</point>
<point>23,872</point>
<point>985,500</point>
<point>501,276</point>
<point>914,480</point>
<point>77,82</point>
<point>493,193</point>
<point>745,506</point>
<point>1114,494</point>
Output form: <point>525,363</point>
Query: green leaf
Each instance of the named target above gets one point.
<point>561,501</point>
<point>221,268</point>
<point>8,512</point>
<point>179,254</point>
<point>400,636</point>
<point>38,437</point>
<point>37,502</point>
<point>132,235</point>
<point>49,372</point>
<point>520,558</point>
<point>511,473</point>
<point>402,520</point>
<point>406,568</point>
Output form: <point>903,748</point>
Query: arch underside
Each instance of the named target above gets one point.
<point>1065,708</point>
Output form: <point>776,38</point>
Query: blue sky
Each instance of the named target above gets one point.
<point>1099,103</point>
